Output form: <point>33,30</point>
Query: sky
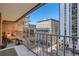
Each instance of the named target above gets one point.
<point>49,10</point>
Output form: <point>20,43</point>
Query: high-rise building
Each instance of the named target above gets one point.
<point>69,24</point>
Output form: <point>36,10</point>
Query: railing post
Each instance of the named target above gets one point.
<point>46,43</point>
<point>37,44</point>
<point>64,28</point>
<point>57,45</point>
<point>43,44</point>
<point>51,44</point>
<point>73,46</point>
<point>40,40</point>
<point>64,45</point>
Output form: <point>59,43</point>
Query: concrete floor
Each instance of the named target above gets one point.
<point>21,50</point>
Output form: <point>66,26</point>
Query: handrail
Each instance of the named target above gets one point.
<point>56,35</point>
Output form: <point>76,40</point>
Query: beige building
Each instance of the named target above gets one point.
<point>48,26</point>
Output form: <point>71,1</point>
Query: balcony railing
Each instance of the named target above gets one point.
<point>43,44</point>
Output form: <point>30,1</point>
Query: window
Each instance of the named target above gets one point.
<point>62,40</point>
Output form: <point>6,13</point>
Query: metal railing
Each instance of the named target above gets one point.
<point>43,44</point>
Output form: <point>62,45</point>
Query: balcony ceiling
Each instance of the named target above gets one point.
<point>13,11</point>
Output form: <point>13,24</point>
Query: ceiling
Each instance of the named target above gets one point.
<point>13,11</point>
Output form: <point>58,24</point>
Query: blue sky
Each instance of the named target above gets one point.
<point>50,10</point>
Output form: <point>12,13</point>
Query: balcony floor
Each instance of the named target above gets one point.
<point>21,50</point>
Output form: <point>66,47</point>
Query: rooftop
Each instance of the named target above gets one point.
<point>48,20</point>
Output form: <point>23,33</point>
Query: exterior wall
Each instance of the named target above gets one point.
<point>70,26</point>
<point>44,24</point>
<point>66,14</point>
<point>20,28</point>
<point>67,23</point>
<point>8,26</point>
<point>78,24</point>
<point>53,27</point>
<point>65,18</point>
<point>50,24</point>
<point>62,19</point>
<point>62,23</point>
<point>55,31</point>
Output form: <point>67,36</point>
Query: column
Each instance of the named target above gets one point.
<point>0,30</point>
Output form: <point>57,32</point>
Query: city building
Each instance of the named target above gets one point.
<point>48,26</point>
<point>69,25</point>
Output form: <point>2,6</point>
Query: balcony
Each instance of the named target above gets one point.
<point>19,50</point>
<point>38,44</point>
<point>42,44</point>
